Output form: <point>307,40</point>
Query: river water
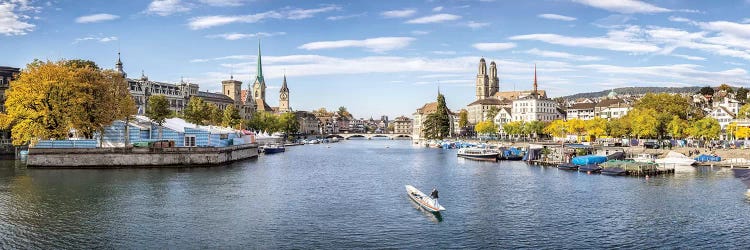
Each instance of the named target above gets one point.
<point>351,195</point>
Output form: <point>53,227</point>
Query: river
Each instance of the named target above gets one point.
<point>351,195</point>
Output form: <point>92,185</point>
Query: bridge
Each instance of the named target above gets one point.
<point>370,136</point>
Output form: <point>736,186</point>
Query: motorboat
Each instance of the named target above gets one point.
<point>480,154</point>
<point>274,148</point>
<point>674,158</point>
<point>614,171</point>
<point>590,168</point>
<point>423,200</point>
<point>567,166</point>
<point>644,158</point>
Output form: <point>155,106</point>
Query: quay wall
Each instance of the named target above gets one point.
<point>138,157</point>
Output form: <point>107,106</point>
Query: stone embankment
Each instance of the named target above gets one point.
<point>138,157</point>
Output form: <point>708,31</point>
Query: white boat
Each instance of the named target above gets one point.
<point>423,200</point>
<point>481,154</point>
<point>644,158</point>
<point>674,158</point>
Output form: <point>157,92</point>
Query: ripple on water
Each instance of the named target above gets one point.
<point>352,196</point>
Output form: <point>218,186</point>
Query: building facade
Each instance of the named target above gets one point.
<point>308,123</point>
<point>535,107</point>
<point>402,125</point>
<point>7,74</point>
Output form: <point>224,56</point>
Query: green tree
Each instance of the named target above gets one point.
<point>463,118</point>
<point>726,88</point>
<point>707,91</point>
<point>741,94</point>
<point>158,110</point>
<point>618,128</point>
<point>491,113</point>
<point>288,123</point>
<point>196,111</point>
<point>513,128</point>
<point>706,128</point>
<point>666,107</point>
<point>343,113</point>
<point>534,128</point>
<point>231,117</point>
<point>264,121</point>
<point>437,124</point>
<point>215,114</point>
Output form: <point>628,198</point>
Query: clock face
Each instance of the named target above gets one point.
<point>283,96</point>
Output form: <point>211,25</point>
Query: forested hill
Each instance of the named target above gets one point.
<point>635,91</point>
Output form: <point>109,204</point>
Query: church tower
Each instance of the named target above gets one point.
<point>482,81</point>
<point>535,86</point>
<point>233,89</point>
<point>284,97</point>
<point>259,87</point>
<point>494,80</point>
<point>118,66</point>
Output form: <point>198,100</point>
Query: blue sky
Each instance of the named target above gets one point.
<point>388,57</point>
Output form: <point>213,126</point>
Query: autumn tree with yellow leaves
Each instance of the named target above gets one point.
<point>51,99</point>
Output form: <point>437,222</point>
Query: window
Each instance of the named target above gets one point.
<point>189,140</point>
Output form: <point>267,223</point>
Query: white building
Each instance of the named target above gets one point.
<point>477,110</point>
<point>723,115</point>
<point>503,116</point>
<point>535,107</point>
<point>582,111</point>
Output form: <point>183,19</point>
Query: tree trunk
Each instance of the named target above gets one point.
<point>160,130</point>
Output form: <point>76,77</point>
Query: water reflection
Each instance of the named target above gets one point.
<point>433,216</point>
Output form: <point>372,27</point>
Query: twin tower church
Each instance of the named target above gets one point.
<point>178,95</point>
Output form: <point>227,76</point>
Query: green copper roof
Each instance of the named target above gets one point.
<point>259,77</point>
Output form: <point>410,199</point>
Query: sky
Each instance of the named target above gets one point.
<point>391,57</point>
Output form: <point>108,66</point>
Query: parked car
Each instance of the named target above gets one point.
<point>650,144</point>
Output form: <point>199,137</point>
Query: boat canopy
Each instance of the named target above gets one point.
<point>589,159</point>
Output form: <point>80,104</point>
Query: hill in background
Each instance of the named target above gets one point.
<point>635,91</point>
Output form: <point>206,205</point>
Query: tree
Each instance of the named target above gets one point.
<point>158,110</point>
<point>437,124</point>
<point>707,91</point>
<point>742,132</point>
<point>618,128</point>
<point>49,99</point>
<point>706,128</point>
<point>196,111</point>
<point>288,123</point>
<point>491,113</point>
<point>513,128</point>
<point>744,112</point>
<point>667,106</point>
<point>345,113</point>
<point>644,123</point>
<point>577,127</point>
<point>486,127</point>
<point>264,121</point>
<point>726,88</point>
<point>231,117</point>
<point>463,118</point>
<point>557,128</point>
<point>215,114</point>
<point>677,127</point>
<point>741,94</point>
<point>534,128</point>
<point>596,128</point>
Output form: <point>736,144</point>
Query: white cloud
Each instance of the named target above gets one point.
<point>493,46</point>
<point>437,9</point>
<point>379,44</point>
<point>679,19</point>
<point>728,28</point>
<point>444,52</point>
<point>223,3</point>
<point>746,20</point>
<point>96,18</point>
<point>398,13</point>
<point>96,38</point>
<point>438,18</point>
<point>336,18</point>
<point>624,6</point>
<point>204,22</point>
<point>556,17</point>
<point>167,7</point>
<point>562,55</point>
<point>239,36</point>
<point>616,41</point>
<point>420,32</point>
<point>11,23</point>
<point>476,25</point>
<point>694,58</point>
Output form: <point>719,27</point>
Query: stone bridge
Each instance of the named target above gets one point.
<point>369,136</point>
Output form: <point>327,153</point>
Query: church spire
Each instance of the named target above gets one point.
<point>118,65</point>
<point>535,86</point>
<point>284,88</point>
<point>260,67</point>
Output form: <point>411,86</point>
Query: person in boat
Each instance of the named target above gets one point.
<point>434,196</point>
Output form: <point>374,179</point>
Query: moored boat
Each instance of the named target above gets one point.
<point>644,158</point>
<point>614,171</point>
<point>479,154</point>
<point>567,166</point>
<point>674,158</point>
<point>272,149</point>
<point>590,168</point>
<point>423,200</point>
